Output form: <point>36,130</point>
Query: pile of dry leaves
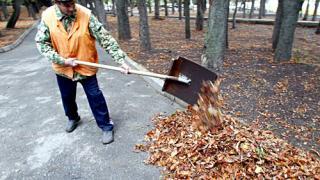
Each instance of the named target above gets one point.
<point>201,142</point>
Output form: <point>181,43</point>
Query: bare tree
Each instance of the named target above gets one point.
<point>187,18</point>
<point>289,20</point>
<point>165,7</point>
<point>4,9</point>
<point>262,9</point>
<point>199,18</point>
<point>277,24</point>
<point>180,9</point>
<point>124,32</point>
<point>97,8</point>
<point>157,9</point>
<point>16,5</point>
<point>305,17</point>
<point>172,7</point>
<point>149,6</point>
<point>244,8</point>
<point>145,43</point>
<point>316,5</point>
<point>318,28</point>
<point>252,9</point>
<point>215,42</point>
<point>234,15</point>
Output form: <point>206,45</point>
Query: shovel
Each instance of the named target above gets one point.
<point>178,82</point>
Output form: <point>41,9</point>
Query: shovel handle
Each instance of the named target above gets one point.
<point>131,71</point>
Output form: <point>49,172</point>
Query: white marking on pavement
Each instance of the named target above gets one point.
<point>47,147</point>
<point>43,100</point>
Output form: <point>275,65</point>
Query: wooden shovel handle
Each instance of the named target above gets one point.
<point>131,71</point>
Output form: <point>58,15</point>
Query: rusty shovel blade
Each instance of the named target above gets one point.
<point>195,73</point>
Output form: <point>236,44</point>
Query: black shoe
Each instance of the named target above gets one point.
<point>72,125</point>
<point>107,137</point>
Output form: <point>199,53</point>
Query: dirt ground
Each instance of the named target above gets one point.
<point>8,36</point>
<point>282,97</point>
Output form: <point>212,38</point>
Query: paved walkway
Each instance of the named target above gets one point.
<point>33,142</point>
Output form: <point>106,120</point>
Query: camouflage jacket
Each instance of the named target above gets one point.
<point>104,38</point>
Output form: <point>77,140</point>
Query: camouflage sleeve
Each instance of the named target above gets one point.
<point>107,42</point>
<point>44,44</point>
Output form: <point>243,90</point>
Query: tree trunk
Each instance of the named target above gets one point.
<point>30,9</point>
<point>234,15</point>
<point>180,9</point>
<point>172,8</point>
<point>4,9</point>
<point>187,18</point>
<point>199,19</point>
<point>227,26</point>
<point>244,8</point>
<point>289,20</point>
<point>114,10</point>
<point>97,8</point>
<point>131,7</point>
<point>124,32</point>
<point>277,24</point>
<point>16,5</point>
<point>165,7</point>
<point>305,17</point>
<point>215,37</point>
<point>252,9</point>
<point>149,6</point>
<point>156,9</point>
<point>316,5</point>
<point>143,26</point>
<point>318,28</point>
<point>262,8</point>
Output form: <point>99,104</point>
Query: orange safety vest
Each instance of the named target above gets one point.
<point>78,43</point>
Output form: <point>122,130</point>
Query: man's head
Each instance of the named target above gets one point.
<point>67,7</point>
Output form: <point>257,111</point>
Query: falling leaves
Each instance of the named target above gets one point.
<point>188,146</point>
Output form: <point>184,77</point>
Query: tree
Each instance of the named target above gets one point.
<point>318,28</point>
<point>156,9</point>
<point>289,18</point>
<point>180,9</point>
<point>234,15</point>
<point>172,7</point>
<point>199,18</point>
<point>187,18</point>
<point>131,6</point>
<point>244,8</point>
<point>143,26</point>
<point>3,4</point>
<point>124,32</point>
<point>165,7</point>
<point>315,10</point>
<point>215,42</point>
<point>97,8</point>
<point>114,11</point>
<point>16,5</point>
<point>252,9</point>
<point>149,6</point>
<point>305,17</point>
<point>262,9</point>
<point>277,24</point>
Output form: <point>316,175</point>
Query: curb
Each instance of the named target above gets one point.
<point>19,40</point>
<point>259,21</point>
<point>155,83</point>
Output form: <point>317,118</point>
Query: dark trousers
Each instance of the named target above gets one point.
<point>98,105</point>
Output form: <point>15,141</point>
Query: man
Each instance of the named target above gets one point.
<point>67,32</point>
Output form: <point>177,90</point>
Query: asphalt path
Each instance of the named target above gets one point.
<point>34,144</point>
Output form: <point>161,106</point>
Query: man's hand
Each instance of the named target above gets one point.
<point>70,62</point>
<point>125,68</point>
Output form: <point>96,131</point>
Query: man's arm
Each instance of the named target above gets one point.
<point>44,45</point>
<point>107,42</point>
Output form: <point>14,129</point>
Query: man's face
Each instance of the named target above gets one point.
<point>66,8</point>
